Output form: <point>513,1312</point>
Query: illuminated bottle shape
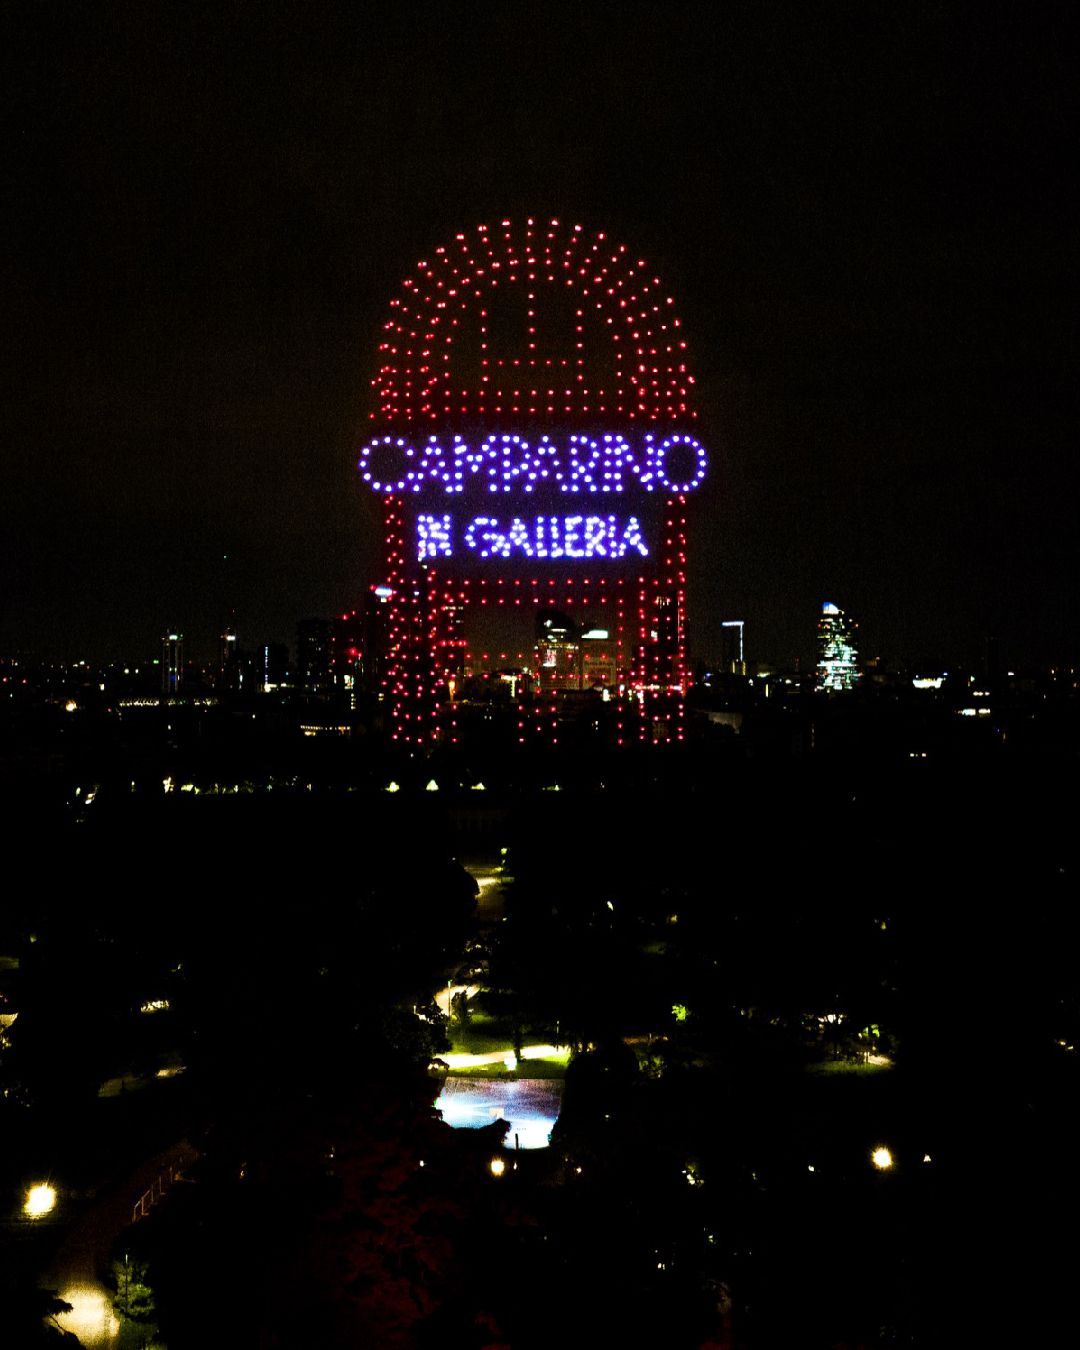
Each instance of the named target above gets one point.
<point>837,671</point>
<point>534,441</point>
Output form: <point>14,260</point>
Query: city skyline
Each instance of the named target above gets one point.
<point>873,275</point>
<point>203,648</point>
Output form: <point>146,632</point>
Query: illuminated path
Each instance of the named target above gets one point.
<point>490,902</point>
<point>84,1253</point>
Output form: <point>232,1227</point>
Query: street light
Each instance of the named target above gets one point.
<point>497,1166</point>
<point>40,1200</point>
<point>881,1158</point>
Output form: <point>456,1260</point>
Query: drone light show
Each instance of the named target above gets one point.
<point>534,445</point>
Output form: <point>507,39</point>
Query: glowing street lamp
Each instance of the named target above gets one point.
<point>497,1167</point>
<point>882,1158</point>
<point>40,1200</point>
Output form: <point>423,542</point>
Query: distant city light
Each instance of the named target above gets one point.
<point>497,1167</point>
<point>71,706</point>
<point>432,786</point>
<point>928,681</point>
<point>882,1158</point>
<point>393,787</point>
<point>40,1200</point>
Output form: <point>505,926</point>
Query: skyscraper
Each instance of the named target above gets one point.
<point>557,652</point>
<point>732,650</point>
<point>272,659</point>
<point>172,663</point>
<point>315,655</point>
<point>836,668</point>
<point>230,674</point>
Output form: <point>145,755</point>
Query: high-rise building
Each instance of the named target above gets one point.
<point>599,660</point>
<point>347,656</point>
<point>732,649</point>
<point>375,649</point>
<point>837,670</point>
<point>315,655</point>
<point>230,674</point>
<point>172,663</point>
<point>272,660</point>
<point>558,652</point>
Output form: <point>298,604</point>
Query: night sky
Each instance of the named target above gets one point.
<point>865,212</point>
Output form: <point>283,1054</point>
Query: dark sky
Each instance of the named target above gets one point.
<point>865,211</point>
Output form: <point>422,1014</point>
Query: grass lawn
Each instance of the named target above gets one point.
<point>528,1068</point>
<point>846,1066</point>
<point>481,1036</point>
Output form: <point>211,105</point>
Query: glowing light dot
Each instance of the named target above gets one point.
<point>497,1167</point>
<point>882,1159</point>
<point>40,1200</point>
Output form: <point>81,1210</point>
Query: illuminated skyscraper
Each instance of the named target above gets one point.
<point>272,661</point>
<point>230,675</point>
<point>558,652</point>
<point>599,660</point>
<point>376,644</point>
<point>732,649</point>
<point>836,668</point>
<point>172,662</point>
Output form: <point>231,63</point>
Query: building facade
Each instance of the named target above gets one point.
<point>837,665</point>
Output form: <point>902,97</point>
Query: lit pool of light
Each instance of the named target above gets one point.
<point>531,1105</point>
